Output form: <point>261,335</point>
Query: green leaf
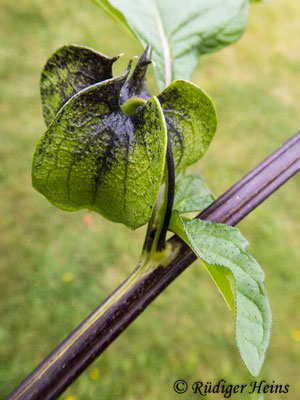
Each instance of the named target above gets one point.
<point>94,156</point>
<point>180,31</point>
<point>191,120</point>
<point>240,279</point>
<point>192,194</point>
<point>69,70</point>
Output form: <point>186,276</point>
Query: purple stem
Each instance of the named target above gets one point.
<point>60,369</point>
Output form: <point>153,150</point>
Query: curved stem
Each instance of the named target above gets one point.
<point>169,195</point>
<point>155,240</point>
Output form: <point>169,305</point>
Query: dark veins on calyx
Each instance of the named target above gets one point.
<point>137,87</point>
<point>74,68</point>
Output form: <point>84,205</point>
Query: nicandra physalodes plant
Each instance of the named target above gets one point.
<point>106,140</point>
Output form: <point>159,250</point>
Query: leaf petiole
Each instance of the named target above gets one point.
<point>158,226</point>
<point>169,197</point>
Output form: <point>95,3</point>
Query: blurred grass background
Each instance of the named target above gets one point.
<point>56,267</point>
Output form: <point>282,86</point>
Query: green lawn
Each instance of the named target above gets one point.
<point>56,267</point>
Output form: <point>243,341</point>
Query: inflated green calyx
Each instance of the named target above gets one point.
<point>105,146</point>
<point>94,156</point>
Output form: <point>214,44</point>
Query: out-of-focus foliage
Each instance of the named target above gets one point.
<point>56,266</point>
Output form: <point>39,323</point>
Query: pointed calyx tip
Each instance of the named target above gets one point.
<point>146,57</point>
<point>136,85</point>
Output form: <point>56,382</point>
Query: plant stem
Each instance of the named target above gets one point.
<point>155,240</point>
<point>257,185</point>
<point>121,308</point>
<point>169,195</point>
